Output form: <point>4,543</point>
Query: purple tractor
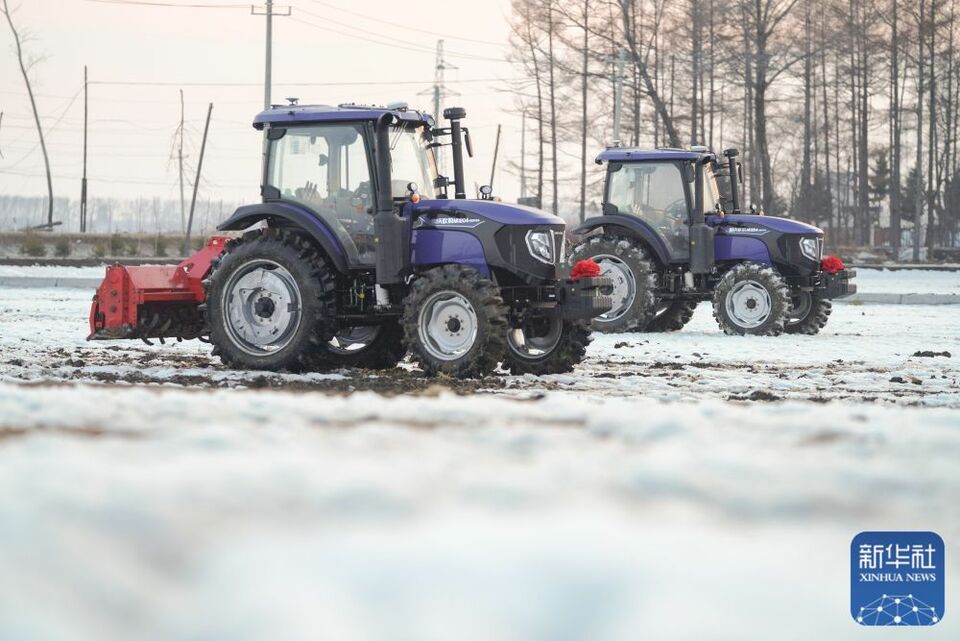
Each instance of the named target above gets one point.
<point>672,235</point>
<point>357,256</point>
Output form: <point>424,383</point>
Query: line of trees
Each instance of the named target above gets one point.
<point>843,108</point>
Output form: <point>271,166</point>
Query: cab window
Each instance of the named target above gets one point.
<point>655,193</point>
<point>326,169</point>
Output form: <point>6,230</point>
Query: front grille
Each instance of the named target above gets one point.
<point>512,244</point>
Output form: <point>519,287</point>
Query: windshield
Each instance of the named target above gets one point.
<point>713,198</point>
<point>411,162</point>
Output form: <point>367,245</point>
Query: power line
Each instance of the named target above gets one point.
<point>391,39</point>
<point>392,42</point>
<point>177,5</point>
<point>51,129</point>
<point>406,27</point>
<point>117,179</point>
<point>352,83</point>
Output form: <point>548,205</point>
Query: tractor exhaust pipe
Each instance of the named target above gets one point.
<point>455,115</point>
<point>392,239</point>
<point>731,155</point>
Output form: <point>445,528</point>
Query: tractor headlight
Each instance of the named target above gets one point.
<point>812,248</point>
<point>540,244</point>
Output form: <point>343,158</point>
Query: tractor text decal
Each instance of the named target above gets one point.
<point>745,230</point>
<point>449,221</point>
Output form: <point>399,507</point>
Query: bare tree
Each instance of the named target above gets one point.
<point>25,66</point>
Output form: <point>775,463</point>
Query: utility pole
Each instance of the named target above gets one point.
<point>269,12</point>
<point>196,183</point>
<point>496,150</point>
<point>180,162</point>
<point>267,67</point>
<point>439,92</point>
<point>618,95</point>
<point>83,180</point>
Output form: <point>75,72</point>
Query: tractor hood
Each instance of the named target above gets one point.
<point>502,213</point>
<point>748,221</point>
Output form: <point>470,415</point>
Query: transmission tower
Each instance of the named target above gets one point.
<point>439,92</point>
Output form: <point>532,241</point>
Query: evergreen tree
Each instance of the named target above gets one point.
<point>879,176</point>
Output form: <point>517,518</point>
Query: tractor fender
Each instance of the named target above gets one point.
<point>287,215</point>
<point>630,227</point>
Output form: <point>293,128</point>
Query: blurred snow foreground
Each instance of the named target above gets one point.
<point>147,494</point>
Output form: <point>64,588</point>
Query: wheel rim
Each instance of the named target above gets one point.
<point>534,347</point>
<point>262,304</point>
<point>353,339</point>
<point>447,325</point>
<point>624,286</point>
<point>748,304</point>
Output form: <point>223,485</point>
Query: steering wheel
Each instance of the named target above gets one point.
<point>676,209</point>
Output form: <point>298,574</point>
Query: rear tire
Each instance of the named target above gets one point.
<point>270,302</point>
<point>674,317</point>
<point>751,299</point>
<point>549,354</point>
<point>624,261</point>
<point>455,322</point>
<point>808,314</point>
<point>368,347</point>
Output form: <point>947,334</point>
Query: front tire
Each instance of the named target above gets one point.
<point>751,299</point>
<point>808,314</point>
<point>455,322</point>
<point>556,349</point>
<point>270,302</point>
<point>625,262</point>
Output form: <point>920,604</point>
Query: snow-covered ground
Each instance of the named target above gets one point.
<point>681,486</point>
<point>907,281</point>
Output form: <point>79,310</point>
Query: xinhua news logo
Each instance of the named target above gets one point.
<point>896,578</point>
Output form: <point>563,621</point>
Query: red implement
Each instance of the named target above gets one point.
<point>154,301</point>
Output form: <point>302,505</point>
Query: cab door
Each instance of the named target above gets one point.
<point>658,193</point>
<point>325,168</point>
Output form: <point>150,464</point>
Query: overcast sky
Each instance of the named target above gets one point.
<point>383,44</point>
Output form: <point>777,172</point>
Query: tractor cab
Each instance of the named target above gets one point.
<point>659,188</point>
<point>326,164</point>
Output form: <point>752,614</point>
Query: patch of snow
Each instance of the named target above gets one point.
<point>158,514</point>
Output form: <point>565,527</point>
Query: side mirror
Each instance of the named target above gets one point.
<point>740,173</point>
<point>468,142</point>
<point>322,160</point>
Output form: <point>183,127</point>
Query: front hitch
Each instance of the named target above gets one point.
<point>838,285</point>
<point>585,298</point>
